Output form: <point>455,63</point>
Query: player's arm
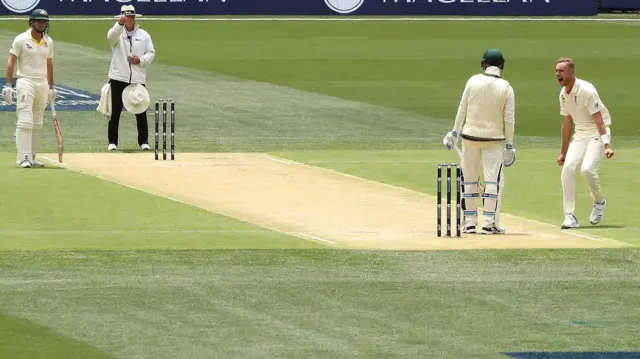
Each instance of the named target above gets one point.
<point>149,53</point>
<point>50,73</point>
<point>594,105</point>
<point>567,129</point>
<point>14,52</point>
<point>11,64</point>
<point>602,129</point>
<point>509,117</point>
<point>461,116</point>
<point>115,31</point>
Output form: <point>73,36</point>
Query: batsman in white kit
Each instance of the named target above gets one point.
<point>32,51</point>
<point>486,123</point>
<point>581,107</point>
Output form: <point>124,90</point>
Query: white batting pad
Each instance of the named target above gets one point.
<point>24,140</point>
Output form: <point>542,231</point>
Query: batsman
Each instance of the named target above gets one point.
<point>32,51</point>
<point>486,122</point>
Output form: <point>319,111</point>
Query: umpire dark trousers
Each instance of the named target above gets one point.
<point>117,87</point>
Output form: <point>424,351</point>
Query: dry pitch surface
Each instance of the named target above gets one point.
<point>313,203</point>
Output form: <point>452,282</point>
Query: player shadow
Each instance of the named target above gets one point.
<point>133,150</point>
<point>605,226</point>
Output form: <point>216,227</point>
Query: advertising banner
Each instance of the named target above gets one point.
<point>311,7</point>
<point>620,4</point>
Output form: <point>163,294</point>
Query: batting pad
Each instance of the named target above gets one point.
<point>24,140</point>
<point>35,140</point>
<point>490,199</point>
<point>38,119</point>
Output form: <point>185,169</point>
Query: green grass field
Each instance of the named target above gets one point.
<point>94,269</point>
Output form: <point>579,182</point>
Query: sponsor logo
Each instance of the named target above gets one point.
<point>20,6</point>
<point>67,99</point>
<point>344,6</point>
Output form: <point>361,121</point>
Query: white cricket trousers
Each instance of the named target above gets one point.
<point>586,151</point>
<point>488,155</point>
<point>31,102</point>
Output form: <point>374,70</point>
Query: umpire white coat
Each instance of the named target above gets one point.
<point>124,44</point>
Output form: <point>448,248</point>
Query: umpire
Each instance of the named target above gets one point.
<point>132,51</point>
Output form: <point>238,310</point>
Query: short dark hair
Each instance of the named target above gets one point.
<point>566,60</point>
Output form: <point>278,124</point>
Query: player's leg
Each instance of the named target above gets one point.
<point>471,160</point>
<point>143,131</point>
<point>39,105</point>
<point>589,171</point>
<point>116,110</point>
<point>573,160</point>
<point>492,159</point>
<point>24,127</point>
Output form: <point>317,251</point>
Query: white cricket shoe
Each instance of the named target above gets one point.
<point>597,212</point>
<point>112,147</point>
<point>25,164</point>
<point>145,147</point>
<point>493,230</point>
<point>570,221</point>
<point>469,229</point>
<point>37,164</point>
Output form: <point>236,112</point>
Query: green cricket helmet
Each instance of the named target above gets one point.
<point>39,14</point>
<point>492,57</point>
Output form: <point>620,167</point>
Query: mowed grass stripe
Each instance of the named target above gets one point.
<point>329,303</point>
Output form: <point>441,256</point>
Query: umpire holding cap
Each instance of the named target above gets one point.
<point>132,51</point>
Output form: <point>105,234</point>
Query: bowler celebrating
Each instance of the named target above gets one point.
<point>581,106</point>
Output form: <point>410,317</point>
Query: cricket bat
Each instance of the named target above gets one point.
<point>56,125</point>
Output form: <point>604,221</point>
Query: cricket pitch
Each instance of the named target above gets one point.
<point>339,210</point>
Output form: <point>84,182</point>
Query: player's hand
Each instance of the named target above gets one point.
<point>53,93</point>
<point>608,152</point>
<point>560,160</point>
<point>509,155</point>
<point>134,60</point>
<point>8,93</point>
<point>122,20</point>
<point>450,140</point>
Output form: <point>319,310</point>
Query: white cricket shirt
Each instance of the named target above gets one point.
<point>32,55</point>
<point>582,102</point>
<point>487,108</point>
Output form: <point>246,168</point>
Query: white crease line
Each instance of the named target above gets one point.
<point>316,238</point>
<point>581,235</point>
<point>276,159</point>
<point>54,161</point>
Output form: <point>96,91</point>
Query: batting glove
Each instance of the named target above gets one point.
<point>8,94</point>
<point>450,140</point>
<point>53,93</point>
<point>509,155</point>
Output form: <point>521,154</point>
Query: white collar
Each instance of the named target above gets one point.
<point>492,71</point>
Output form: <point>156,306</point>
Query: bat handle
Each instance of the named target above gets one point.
<point>53,108</point>
<point>458,152</point>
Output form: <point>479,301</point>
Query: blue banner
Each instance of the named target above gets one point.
<point>68,99</point>
<point>620,4</point>
<point>311,7</point>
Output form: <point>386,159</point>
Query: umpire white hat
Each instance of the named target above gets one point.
<point>135,98</point>
<point>128,10</point>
